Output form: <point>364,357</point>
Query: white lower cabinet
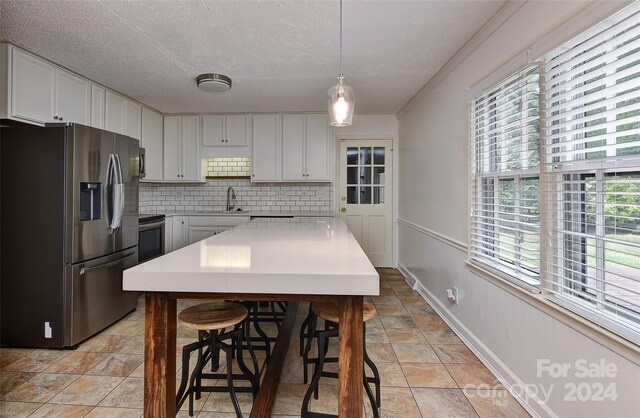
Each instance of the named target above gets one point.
<point>187,230</point>
<point>198,233</point>
<point>168,234</point>
<point>180,232</point>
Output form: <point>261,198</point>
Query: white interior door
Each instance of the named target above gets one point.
<point>366,190</point>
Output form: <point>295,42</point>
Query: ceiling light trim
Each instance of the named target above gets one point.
<point>212,82</point>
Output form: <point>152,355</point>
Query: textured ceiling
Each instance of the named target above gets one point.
<point>281,55</point>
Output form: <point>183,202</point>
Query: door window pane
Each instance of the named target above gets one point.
<point>378,175</point>
<point>378,155</point>
<point>352,175</point>
<point>352,194</point>
<point>352,155</point>
<point>365,155</point>
<point>365,195</point>
<point>378,195</point>
<point>365,175</point>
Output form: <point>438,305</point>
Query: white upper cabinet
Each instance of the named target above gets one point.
<point>151,141</point>
<point>132,119</point>
<point>181,148</point>
<point>97,106</point>
<point>305,147</point>
<point>74,98</point>
<point>293,150</point>
<point>33,88</point>
<point>229,130</point>
<point>114,112</point>
<point>267,140</point>
<point>237,127</point>
<point>317,148</point>
<point>122,115</point>
<point>41,92</point>
<point>213,133</point>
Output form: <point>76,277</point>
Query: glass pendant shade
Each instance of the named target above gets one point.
<point>341,102</point>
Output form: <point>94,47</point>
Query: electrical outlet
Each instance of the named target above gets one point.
<point>323,195</point>
<point>281,195</point>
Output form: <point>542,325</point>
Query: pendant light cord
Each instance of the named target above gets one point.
<point>340,38</point>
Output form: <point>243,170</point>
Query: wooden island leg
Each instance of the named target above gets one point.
<point>159,355</point>
<point>351,361</point>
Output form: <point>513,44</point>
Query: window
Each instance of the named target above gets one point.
<point>505,220</point>
<point>567,154</point>
<point>592,171</point>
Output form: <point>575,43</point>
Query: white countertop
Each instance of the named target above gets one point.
<point>274,256</point>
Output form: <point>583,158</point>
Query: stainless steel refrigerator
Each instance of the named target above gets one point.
<point>69,227</point>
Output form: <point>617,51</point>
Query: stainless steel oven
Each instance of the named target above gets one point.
<point>150,237</point>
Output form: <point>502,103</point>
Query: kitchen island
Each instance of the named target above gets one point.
<point>298,259</point>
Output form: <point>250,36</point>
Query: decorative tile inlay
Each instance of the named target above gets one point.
<point>490,403</point>
<point>455,353</point>
<point>61,411</point>
<point>118,364</point>
<point>443,403</point>
<point>415,353</point>
<point>87,390</point>
<point>428,375</point>
<point>17,409</point>
<point>76,363</point>
<point>41,388</point>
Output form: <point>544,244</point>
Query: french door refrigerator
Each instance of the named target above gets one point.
<point>69,227</point>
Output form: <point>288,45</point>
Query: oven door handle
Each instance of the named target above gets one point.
<point>151,225</point>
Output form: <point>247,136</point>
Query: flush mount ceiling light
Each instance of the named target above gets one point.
<point>341,97</point>
<point>216,83</point>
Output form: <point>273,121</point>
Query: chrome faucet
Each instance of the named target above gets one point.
<point>231,199</point>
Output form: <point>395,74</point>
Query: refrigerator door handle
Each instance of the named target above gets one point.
<point>121,190</point>
<point>101,266</point>
<point>111,192</point>
<point>117,185</point>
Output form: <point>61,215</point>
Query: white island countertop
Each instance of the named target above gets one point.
<point>276,256</point>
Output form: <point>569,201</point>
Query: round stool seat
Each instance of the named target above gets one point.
<point>329,311</point>
<point>213,315</point>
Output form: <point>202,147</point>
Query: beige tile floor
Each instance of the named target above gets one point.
<point>426,371</point>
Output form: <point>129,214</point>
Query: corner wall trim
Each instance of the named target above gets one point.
<point>458,245</point>
<point>529,400</point>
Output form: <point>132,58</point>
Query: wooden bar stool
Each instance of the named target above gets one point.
<point>329,311</point>
<point>211,321</point>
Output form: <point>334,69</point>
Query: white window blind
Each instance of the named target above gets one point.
<point>505,212</point>
<point>591,172</point>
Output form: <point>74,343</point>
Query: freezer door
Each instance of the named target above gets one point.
<point>127,151</point>
<point>94,298</point>
<point>87,199</point>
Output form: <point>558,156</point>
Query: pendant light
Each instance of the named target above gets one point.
<point>341,97</point>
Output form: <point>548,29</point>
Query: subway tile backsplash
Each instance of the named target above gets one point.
<point>227,166</point>
<point>212,196</point>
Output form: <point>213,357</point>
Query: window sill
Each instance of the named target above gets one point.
<point>609,339</point>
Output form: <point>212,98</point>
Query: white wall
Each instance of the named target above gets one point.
<point>508,333</point>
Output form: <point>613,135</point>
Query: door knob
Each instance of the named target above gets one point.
<point>343,210</point>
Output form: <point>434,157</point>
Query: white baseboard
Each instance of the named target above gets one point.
<point>528,399</point>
